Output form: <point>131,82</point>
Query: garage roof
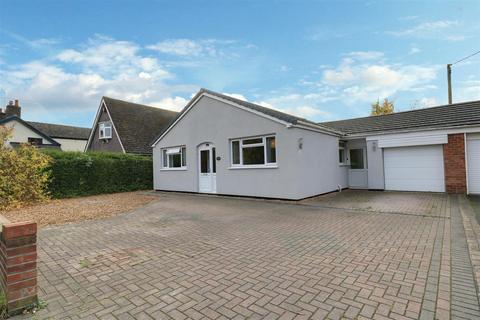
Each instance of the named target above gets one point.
<point>445,116</point>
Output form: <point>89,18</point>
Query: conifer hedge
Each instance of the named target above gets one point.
<point>80,174</point>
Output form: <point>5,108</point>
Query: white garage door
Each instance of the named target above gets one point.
<point>414,168</point>
<point>473,160</point>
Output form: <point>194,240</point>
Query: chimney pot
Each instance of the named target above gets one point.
<point>13,109</point>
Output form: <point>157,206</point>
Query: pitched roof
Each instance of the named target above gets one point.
<point>267,111</point>
<point>445,116</point>
<point>61,131</point>
<point>281,116</point>
<point>136,124</point>
<point>31,127</point>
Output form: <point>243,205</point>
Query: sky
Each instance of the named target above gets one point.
<point>321,60</point>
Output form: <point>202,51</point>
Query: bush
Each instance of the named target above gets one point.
<point>80,174</point>
<point>24,173</point>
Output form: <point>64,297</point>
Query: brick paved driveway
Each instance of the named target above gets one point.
<point>188,256</point>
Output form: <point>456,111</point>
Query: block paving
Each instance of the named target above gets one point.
<point>352,255</point>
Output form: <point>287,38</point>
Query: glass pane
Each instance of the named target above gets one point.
<point>271,150</point>
<point>235,152</point>
<point>165,159</point>
<point>253,155</point>
<point>341,155</point>
<point>204,159</point>
<point>214,161</point>
<point>175,160</point>
<point>184,157</point>
<point>356,159</point>
<point>252,141</point>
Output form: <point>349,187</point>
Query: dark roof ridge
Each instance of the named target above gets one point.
<point>56,124</point>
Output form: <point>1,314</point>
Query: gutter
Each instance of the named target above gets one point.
<point>422,129</point>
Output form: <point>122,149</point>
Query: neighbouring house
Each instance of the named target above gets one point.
<point>219,144</point>
<point>43,135</point>
<point>126,127</point>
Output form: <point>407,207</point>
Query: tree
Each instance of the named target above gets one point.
<point>386,107</point>
<point>24,173</point>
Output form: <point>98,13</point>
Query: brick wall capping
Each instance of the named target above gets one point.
<point>18,229</point>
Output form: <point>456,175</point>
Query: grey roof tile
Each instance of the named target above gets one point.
<point>445,116</point>
<point>62,131</point>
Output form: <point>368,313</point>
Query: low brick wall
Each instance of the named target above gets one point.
<point>18,264</point>
<point>454,163</point>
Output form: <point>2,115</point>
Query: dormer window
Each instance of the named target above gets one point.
<point>105,130</point>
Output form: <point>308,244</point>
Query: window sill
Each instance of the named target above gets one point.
<point>174,169</point>
<point>253,167</point>
<point>343,165</point>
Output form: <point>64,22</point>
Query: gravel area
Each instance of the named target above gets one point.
<point>61,211</point>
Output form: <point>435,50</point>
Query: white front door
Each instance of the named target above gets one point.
<point>473,161</point>
<point>358,173</point>
<point>418,168</point>
<point>207,168</point>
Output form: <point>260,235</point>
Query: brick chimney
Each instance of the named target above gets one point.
<point>13,109</point>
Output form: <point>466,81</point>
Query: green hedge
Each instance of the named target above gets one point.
<point>80,174</point>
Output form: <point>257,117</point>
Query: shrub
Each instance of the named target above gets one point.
<point>80,174</point>
<point>24,173</point>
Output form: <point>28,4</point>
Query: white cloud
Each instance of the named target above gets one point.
<point>441,29</point>
<point>75,79</point>
<point>467,90</point>
<point>366,81</point>
<point>181,47</point>
<point>428,102</point>
<point>174,104</point>
<point>35,43</point>
<point>408,18</point>
<point>111,56</point>
<point>192,48</point>
<point>414,50</point>
<point>366,55</point>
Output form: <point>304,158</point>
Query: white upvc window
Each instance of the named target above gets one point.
<point>105,130</point>
<point>254,151</point>
<point>174,157</point>
<point>342,154</point>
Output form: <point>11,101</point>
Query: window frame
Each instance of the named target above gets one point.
<point>35,141</point>
<point>364,158</point>
<point>183,158</point>
<point>101,128</point>
<point>342,146</point>
<point>242,146</point>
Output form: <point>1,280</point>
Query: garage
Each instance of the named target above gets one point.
<point>418,168</point>
<point>473,163</point>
